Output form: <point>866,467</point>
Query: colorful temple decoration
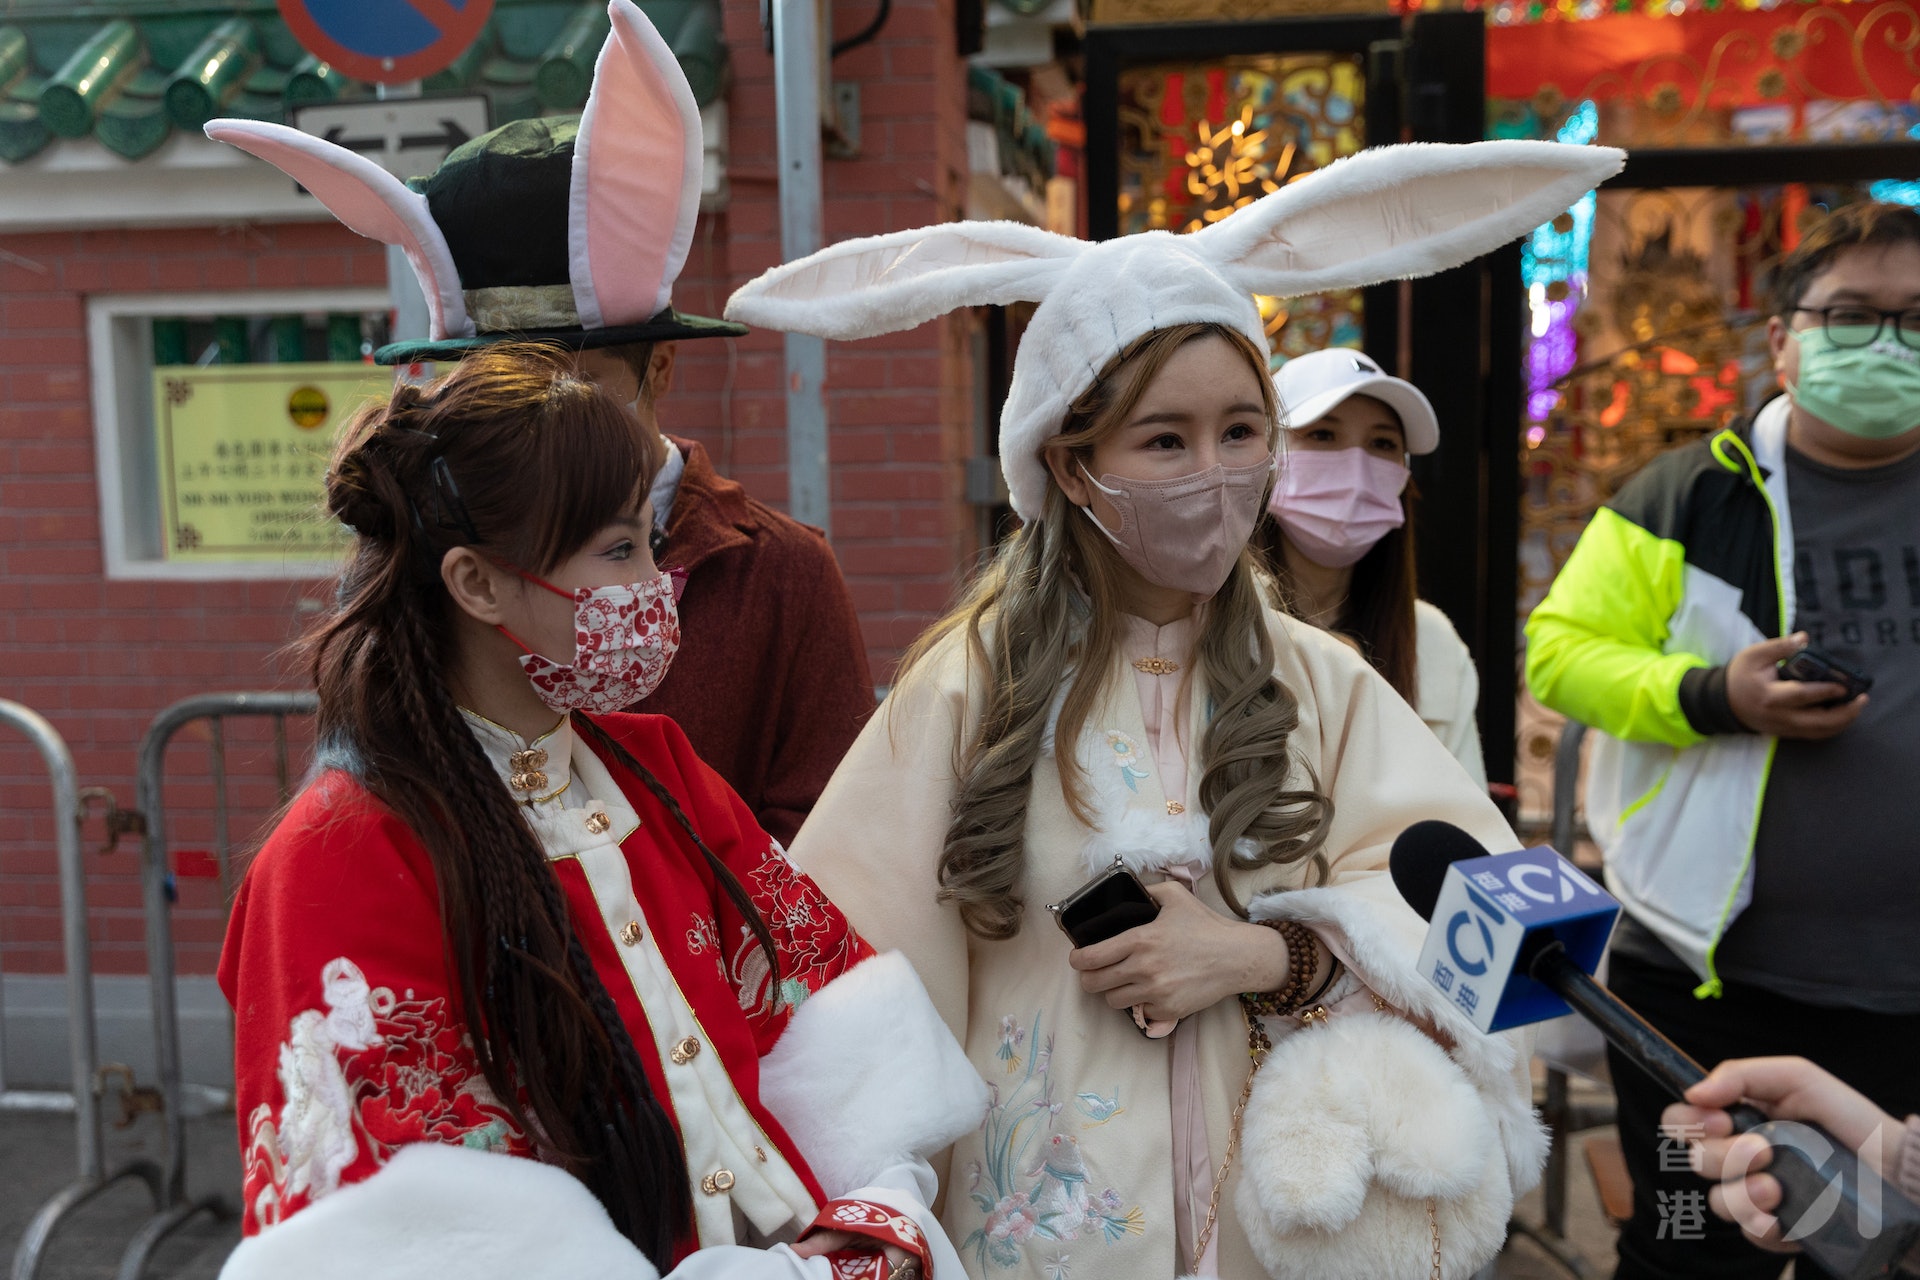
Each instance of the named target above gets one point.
<point>1200,139</point>
<point>1518,12</point>
<point>1731,75</point>
<point>1553,266</point>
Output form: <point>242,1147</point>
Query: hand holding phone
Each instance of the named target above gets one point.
<point>1812,666</point>
<point>1785,688</point>
<point>1106,906</point>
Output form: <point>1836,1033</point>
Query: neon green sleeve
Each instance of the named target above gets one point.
<point>1595,646</point>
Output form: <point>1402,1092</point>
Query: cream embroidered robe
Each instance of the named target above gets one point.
<point>1071,1173</point>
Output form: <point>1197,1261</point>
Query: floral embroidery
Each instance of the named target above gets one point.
<point>1012,1036</point>
<point>1034,1185</point>
<point>704,936</point>
<point>372,1074</point>
<point>1097,1109</point>
<point>815,942</point>
<point>1126,758</point>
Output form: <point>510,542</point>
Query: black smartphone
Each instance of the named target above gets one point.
<point>1811,666</point>
<point>1109,904</point>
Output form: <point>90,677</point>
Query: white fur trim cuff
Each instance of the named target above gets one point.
<point>447,1211</point>
<point>867,1076</point>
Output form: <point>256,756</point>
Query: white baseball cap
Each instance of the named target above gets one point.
<point>1313,384</point>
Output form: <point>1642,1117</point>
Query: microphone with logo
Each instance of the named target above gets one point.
<point>1514,938</point>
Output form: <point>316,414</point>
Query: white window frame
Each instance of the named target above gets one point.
<point>120,349</point>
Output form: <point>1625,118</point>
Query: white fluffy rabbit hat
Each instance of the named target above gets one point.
<point>1389,213</point>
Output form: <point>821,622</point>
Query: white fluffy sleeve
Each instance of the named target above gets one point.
<point>437,1210</point>
<point>867,1076</point>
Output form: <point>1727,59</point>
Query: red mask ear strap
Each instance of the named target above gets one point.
<point>524,646</point>
<point>535,579</point>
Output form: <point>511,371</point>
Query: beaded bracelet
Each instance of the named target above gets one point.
<point>1303,956</point>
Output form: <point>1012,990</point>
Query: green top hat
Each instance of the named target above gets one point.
<point>563,229</point>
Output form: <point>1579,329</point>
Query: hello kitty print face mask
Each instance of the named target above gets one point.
<point>624,638</point>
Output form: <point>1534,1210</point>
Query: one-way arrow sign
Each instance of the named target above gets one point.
<point>405,136</point>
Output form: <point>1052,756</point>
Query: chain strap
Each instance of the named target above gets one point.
<point>1226,1166</point>
<point>1433,1224</point>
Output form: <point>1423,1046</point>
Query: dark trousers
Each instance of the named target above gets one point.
<point>1671,1236</point>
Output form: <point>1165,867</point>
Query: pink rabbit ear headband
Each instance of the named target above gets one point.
<point>1389,213</point>
<point>567,229</point>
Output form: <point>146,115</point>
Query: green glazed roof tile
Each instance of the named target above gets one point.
<point>267,80</point>
<point>15,55</point>
<point>132,127</point>
<point>147,82</point>
<point>129,73</point>
<point>507,71</point>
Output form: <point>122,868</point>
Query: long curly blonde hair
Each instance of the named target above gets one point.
<point>1047,607</point>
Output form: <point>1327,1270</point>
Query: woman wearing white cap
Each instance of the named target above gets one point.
<point>1343,548</point>
<point>1114,689</point>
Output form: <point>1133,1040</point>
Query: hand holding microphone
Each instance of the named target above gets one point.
<point>1786,1089</point>
<point>1514,939</point>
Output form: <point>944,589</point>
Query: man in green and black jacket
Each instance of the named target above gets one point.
<point>1762,833</point>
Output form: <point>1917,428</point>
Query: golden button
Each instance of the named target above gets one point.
<point>631,933</point>
<point>720,1180</point>
<point>527,761</point>
<point>598,822</point>
<point>685,1051</point>
<point>1175,807</point>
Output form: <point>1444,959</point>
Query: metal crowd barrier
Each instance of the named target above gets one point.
<point>90,1152</point>
<point>177,1207</point>
<point>1562,1116</point>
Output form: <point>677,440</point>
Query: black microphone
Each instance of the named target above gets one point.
<point>1821,1205</point>
<point>1421,858</point>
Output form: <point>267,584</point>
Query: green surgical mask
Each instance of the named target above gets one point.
<point>1870,391</point>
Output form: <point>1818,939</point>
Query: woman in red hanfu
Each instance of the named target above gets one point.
<point>520,987</point>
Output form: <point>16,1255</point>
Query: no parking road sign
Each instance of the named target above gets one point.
<point>386,41</point>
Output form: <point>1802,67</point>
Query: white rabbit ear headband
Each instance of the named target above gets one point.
<point>1389,213</point>
<point>564,229</point>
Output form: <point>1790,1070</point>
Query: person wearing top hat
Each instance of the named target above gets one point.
<point>1341,539</point>
<point>570,231</point>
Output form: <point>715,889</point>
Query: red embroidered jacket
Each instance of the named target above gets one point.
<point>346,1046</point>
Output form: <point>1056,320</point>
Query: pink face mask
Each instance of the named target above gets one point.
<point>1184,533</point>
<point>1336,503</point>
<point>624,638</point>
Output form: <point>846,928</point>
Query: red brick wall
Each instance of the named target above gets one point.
<point>898,405</point>
<point>101,658</point>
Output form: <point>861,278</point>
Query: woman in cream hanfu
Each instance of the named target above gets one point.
<point>520,987</point>
<point>1113,686</point>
